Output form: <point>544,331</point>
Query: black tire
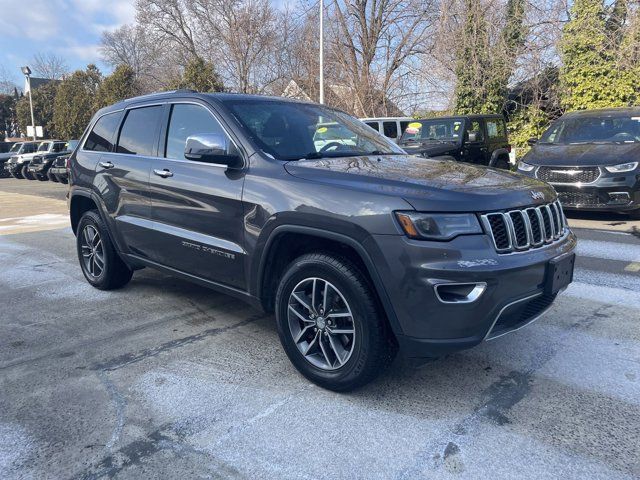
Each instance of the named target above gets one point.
<point>62,180</point>
<point>373,346</point>
<point>114,273</point>
<point>16,175</point>
<point>52,177</point>
<point>634,214</point>
<point>42,178</point>
<point>26,173</point>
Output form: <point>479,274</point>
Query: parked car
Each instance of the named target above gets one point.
<point>390,127</point>
<point>4,157</point>
<point>59,171</point>
<point>42,162</point>
<point>592,158</point>
<point>14,165</point>
<point>478,139</point>
<point>357,248</point>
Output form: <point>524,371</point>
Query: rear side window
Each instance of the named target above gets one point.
<point>403,126</point>
<point>373,125</point>
<point>496,129</point>
<point>476,127</point>
<point>59,147</point>
<point>29,147</point>
<point>101,137</point>
<point>138,133</point>
<point>187,120</point>
<point>390,129</point>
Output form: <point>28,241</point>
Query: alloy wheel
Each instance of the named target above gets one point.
<point>92,251</point>
<point>321,323</point>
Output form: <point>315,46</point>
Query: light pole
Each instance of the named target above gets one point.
<point>321,51</point>
<point>27,75</point>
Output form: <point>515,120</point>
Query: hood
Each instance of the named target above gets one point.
<point>583,154</point>
<point>427,184</point>
<point>429,149</point>
<point>6,156</point>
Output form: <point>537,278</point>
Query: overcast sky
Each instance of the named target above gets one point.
<point>69,28</point>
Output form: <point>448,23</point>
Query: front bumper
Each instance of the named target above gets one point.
<point>13,167</point>
<point>60,172</point>
<point>613,192</point>
<point>426,326</point>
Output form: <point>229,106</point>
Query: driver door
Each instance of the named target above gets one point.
<point>475,145</point>
<point>196,206</point>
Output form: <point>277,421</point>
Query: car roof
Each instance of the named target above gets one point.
<point>382,119</point>
<point>604,112</point>
<point>218,96</point>
<point>456,117</point>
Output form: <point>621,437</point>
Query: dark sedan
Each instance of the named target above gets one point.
<point>591,158</point>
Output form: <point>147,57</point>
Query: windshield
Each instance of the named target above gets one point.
<point>294,131</point>
<point>15,147</point>
<point>444,130</point>
<point>43,147</point>
<point>603,129</point>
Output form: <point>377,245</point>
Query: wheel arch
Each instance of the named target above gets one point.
<point>271,267</point>
<point>498,153</point>
<point>79,203</point>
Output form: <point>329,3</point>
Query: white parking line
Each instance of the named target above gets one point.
<point>609,250</point>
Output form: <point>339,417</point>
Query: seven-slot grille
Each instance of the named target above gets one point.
<point>568,174</point>
<point>523,229</point>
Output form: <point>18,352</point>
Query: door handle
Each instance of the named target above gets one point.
<point>163,173</point>
<point>106,165</point>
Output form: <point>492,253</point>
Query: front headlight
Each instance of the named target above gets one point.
<point>525,167</point>
<point>623,167</point>
<point>437,226</point>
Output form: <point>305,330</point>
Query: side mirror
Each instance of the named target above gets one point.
<point>212,148</point>
<point>472,137</point>
<point>532,141</point>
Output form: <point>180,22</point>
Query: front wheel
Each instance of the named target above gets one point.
<point>26,173</point>
<point>330,323</point>
<point>101,265</point>
<point>52,177</point>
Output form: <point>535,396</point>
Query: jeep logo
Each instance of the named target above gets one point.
<point>537,195</point>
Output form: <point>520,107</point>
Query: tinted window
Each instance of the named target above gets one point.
<point>390,129</point>
<point>373,125</point>
<point>437,129</point>
<point>59,147</point>
<point>138,133</point>
<point>403,126</point>
<point>29,147</point>
<point>615,128</point>
<point>187,120</point>
<point>101,137</point>
<point>496,129</point>
<point>476,127</point>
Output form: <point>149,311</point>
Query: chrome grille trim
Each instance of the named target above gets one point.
<point>503,227</point>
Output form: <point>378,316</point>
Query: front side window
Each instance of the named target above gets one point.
<point>390,129</point>
<point>15,147</point>
<point>138,133</point>
<point>618,128</point>
<point>373,125</point>
<point>288,130</point>
<point>101,137</point>
<point>475,127</point>
<point>187,120</point>
<point>59,147</point>
<point>29,147</point>
<point>435,130</point>
<point>44,147</point>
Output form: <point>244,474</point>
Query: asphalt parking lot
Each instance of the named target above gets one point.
<point>165,379</point>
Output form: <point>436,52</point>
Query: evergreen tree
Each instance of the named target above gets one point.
<point>121,84</point>
<point>75,102</point>
<point>43,109</point>
<point>591,76</point>
<point>199,75</point>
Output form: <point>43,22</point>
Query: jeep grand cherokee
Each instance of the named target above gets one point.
<point>357,247</point>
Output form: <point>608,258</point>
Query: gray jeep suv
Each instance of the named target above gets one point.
<point>358,248</point>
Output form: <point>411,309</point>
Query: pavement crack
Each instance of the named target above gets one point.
<point>130,358</point>
<point>120,406</point>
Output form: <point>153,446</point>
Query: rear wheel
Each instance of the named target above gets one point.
<point>16,174</point>
<point>330,324</point>
<point>101,265</point>
<point>51,177</point>
<point>502,163</point>
<point>63,180</point>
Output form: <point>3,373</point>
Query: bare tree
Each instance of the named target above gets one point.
<point>376,42</point>
<point>7,81</point>
<point>49,65</point>
<point>148,55</point>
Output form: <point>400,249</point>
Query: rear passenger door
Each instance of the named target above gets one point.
<point>196,206</point>
<point>390,129</point>
<point>122,177</point>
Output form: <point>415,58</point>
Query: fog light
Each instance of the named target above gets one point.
<point>619,198</point>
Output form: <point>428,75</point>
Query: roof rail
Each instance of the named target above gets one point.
<point>153,94</point>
